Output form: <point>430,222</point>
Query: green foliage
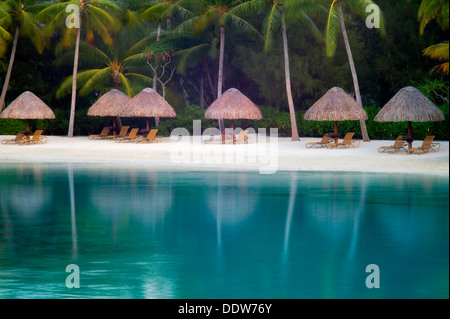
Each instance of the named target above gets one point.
<point>436,90</point>
<point>184,119</point>
<point>11,126</point>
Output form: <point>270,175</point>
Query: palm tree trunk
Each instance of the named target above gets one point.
<point>353,70</point>
<point>287,72</point>
<point>220,79</point>
<point>10,65</point>
<point>74,84</point>
<point>155,76</point>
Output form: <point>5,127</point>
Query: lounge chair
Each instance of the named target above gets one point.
<point>322,143</point>
<point>129,138</point>
<point>36,139</point>
<point>240,138</point>
<point>104,134</point>
<point>347,142</point>
<point>215,140</point>
<point>426,146</point>
<point>151,137</point>
<point>123,133</point>
<point>19,137</point>
<point>399,144</point>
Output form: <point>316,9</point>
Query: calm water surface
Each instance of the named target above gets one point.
<point>137,233</point>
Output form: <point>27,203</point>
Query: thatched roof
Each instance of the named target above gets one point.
<point>109,104</point>
<point>148,103</point>
<point>409,104</point>
<point>336,105</point>
<point>233,105</point>
<point>27,106</point>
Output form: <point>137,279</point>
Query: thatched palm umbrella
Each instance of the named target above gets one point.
<point>109,104</point>
<point>233,105</point>
<point>148,103</point>
<point>410,105</point>
<point>336,105</point>
<point>28,107</point>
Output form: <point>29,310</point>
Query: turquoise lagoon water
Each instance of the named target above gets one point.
<point>184,234</point>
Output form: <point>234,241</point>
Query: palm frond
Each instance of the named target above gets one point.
<point>359,7</point>
<point>96,81</point>
<point>272,23</point>
<point>244,26</point>
<point>31,30</point>
<point>439,52</point>
<point>332,29</point>
<point>429,10</point>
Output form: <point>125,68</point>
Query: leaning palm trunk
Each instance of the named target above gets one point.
<point>155,76</point>
<point>74,84</point>
<point>287,72</point>
<point>8,72</point>
<point>220,80</point>
<point>365,135</point>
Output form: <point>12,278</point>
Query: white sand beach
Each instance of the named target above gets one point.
<point>280,154</point>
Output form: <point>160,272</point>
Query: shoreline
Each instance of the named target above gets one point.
<point>278,154</point>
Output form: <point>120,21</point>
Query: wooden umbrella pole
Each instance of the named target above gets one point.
<point>409,134</point>
<point>148,124</point>
<point>28,129</point>
<point>336,131</point>
<point>232,131</point>
<point>114,125</point>
<point>222,132</point>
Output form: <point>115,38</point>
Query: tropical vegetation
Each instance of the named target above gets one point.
<point>282,54</point>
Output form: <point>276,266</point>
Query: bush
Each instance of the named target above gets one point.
<point>12,126</point>
<point>185,118</point>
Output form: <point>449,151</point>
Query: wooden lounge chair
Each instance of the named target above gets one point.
<point>123,133</point>
<point>104,134</point>
<point>36,139</point>
<point>322,143</point>
<point>426,146</point>
<point>214,140</point>
<point>399,144</point>
<point>240,138</point>
<point>129,138</point>
<point>151,137</point>
<point>346,143</point>
<point>19,137</point>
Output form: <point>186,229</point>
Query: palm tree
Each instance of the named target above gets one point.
<point>115,69</point>
<point>216,13</point>
<point>94,15</point>
<point>335,19</point>
<point>436,10</point>
<point>18,17</point>
<point>276,16</point>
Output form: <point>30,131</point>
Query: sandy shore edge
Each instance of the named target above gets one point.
<point>268,157</point>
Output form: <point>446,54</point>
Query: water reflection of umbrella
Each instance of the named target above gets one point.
<point>148,103</point>
<point>233,105</point>
<point>109,104</point>
<point>27,107</point>
<point>231,204</point>
<point>336,105</point>
<point>145,199</point>
<point>410,105</point>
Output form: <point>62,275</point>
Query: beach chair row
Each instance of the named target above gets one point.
<point>23,139</point>
<point>327,141</point>
<point>125,136</point>
<point>399,144</point>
